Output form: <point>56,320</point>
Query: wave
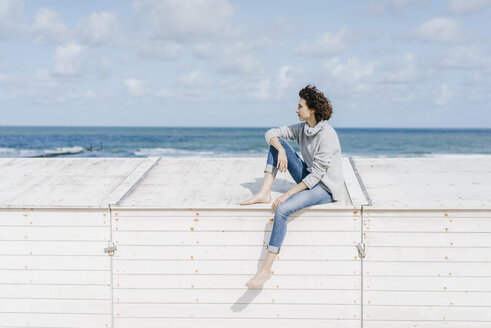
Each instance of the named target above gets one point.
<point>57,151</point>
<point>174,152</point>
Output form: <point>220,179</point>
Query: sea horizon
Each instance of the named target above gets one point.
<point>173,141</point>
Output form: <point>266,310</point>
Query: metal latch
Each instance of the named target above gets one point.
<point>361,250</point>
<point>111,248</point>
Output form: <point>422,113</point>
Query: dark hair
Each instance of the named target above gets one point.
<point>317,101</point>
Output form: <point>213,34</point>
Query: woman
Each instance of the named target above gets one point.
<point>319,175</point>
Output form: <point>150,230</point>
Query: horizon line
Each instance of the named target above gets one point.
<point>230,127</point>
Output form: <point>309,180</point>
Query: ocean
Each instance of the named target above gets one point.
<point>28,141</point>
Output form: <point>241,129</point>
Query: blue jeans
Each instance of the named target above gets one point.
<point>304,198</point>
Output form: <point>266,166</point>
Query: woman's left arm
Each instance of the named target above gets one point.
<point>299,187</point>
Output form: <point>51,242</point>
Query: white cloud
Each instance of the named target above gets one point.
<point>394,6</point>
<point>441,29</point>
<point>164,93</point>
<point>238,57</point>
<point>45,80</point>
<point>467,6</point>
<point>68,59</point>
<point>469,56</point>
<point>4,78</point>
<point>262,90</point>
<point>328,44</point>
<point>160,49</point>
<point>403,71</point>
<point>443,95</point>
<point>187,20</point>
<point>136,87</point>
<point>194,79</point>
<point>98,28</point>
<point>48,28</point>
<point>204,50</point>
<point>350,72</point>
<point>11,17</point>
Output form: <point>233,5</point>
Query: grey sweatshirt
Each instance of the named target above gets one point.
<point>321,152</point>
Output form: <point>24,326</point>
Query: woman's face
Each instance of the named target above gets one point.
<point>303,111</point>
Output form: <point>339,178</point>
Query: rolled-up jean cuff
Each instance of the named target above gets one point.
<point>271,169</point>
<point>273,249</point>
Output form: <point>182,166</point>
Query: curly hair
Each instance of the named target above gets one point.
<point>317,101</point>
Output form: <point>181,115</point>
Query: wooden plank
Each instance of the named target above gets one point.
<point>74,277</point>
<point>430,239</point>
<point>224,211</point>
<point>307,311</point>
<point>31,182</point>
<point>353,187</point>
<point>428,313</point>
<point>424,324</point>
<point>469,225</point>
<point>239,223</point>
<point>433,298</point>
<point>422,254</point>
<point>68,306</point>
<point>236,323</point>
<point>246,238</point>
<point>236,281</point>
<point>233,267</point>
<point>470,284</point>
<point>52,248</point>
<point>55,291</point>
<point>226,252</point>
<point>55,320</point>
<point>131,181</point>
<point>54,262</point>
<point>50,218</point>
<point>238,295</point>
<point>54,233</point>
<point>427,269</point>
<point>411,213</point>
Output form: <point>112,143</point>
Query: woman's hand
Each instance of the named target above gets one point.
<point>279,201</point>
<point>282,161</point>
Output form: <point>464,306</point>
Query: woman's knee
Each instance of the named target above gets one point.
<point>282,210</point>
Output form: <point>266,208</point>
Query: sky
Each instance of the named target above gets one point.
<point>393,63</point>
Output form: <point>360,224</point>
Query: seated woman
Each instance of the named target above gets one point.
<point>319,175</point>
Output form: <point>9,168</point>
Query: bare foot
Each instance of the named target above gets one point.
<point>260,278</point>
<point>259,198</point>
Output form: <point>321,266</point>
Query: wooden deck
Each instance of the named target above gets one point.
<point>408,246</point>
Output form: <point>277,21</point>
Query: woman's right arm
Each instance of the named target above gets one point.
<point>282,164</point>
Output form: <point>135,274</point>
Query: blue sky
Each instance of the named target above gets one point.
<point>395,63</point>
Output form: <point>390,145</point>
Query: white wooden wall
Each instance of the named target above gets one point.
<point>187,268</point>
<point>53,269</point>
<point>427,269</point>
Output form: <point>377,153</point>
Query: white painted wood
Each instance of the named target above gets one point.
<point>174,263</point>
<point>426,266</point>
<point>431,298</point>
<point>441,182</point>
<point>210,182</point>
<point>63,182</point>
<point>131,181</point>
<point>235,223</point>
<point>426,324</point>
<point>55,291</point>
<point>53,268</point>
<point>297,267</point>
<point>236,323</point>
<point>307,311</point>
<point>353,187</point>
<point>227,252</point>
<point>232,238</point>
<point>462,255</point>
<point>237,295</point>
